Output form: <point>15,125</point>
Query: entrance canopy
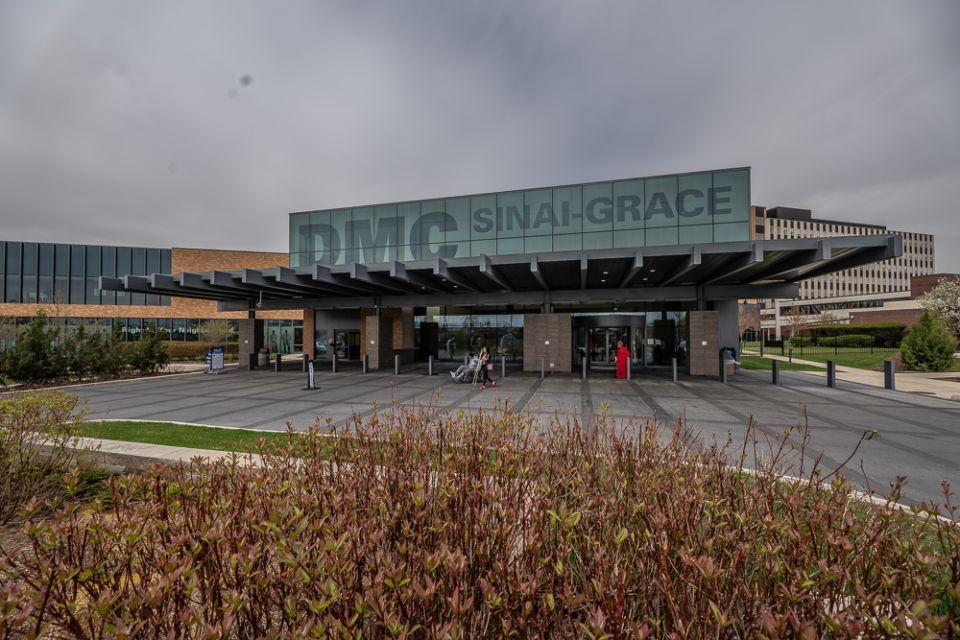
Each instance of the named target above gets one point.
<point>746,269</point>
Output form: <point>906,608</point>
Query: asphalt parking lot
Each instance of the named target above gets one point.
<point>916,436</point>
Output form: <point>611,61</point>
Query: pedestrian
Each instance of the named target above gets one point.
<point>623,354</point>
<point>485,366</point>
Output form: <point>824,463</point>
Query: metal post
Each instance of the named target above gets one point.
<point>333,364</point>
<point>628,368</point>
<point>465,361</point>
<point>430,365</point>
<point>366,363</point>
<point>279,363</point>
<point>541,368</point>
<point>306,358</point>
<point>311,379</point>
<point>790,357</point>
<point>761,346</point>
<point>723,370</point>
<point>503,366</point>
<point>396,364</point>
<point>583,368</point>
<point>253,361</point>
<point>831,373</point>
<point>674,363</point>
<point>889,375</point>
<point>775,371</point>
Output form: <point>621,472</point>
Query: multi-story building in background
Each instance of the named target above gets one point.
<point>62,280</point>
<point>878,291</point>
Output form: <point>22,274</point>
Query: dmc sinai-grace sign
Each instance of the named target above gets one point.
<point>442,228</point>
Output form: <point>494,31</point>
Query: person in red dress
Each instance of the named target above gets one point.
<point>623,354</point>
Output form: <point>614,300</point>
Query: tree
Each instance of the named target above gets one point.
<point>796,320</point>
<point>34,356</point>
<point>928,346</point>
<point>944,302</point>
<point>217,331</point>
<point>149,354</point>
<point>748,317</point>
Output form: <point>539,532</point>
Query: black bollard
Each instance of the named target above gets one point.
<point>775,371</point>
<point>831,373</point>
<point>889,375</point>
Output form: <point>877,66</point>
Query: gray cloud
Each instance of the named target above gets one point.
<point>130,123</point>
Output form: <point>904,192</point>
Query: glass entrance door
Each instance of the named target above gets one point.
<point>602,344</point>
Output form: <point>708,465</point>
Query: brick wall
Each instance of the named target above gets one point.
<point>705,343</point>
<point>555,328</point>
<point>906,316</point>
<point>919,285</point>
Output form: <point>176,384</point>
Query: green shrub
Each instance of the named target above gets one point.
<point>426,524</point>
<point>847,340</point>
<point>148,354</point>
<point>928,346</point>
<point>799,341</point>
<point>887,334</point>
<point>37,447</point>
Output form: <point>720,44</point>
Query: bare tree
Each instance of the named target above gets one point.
<point>217,331</point>
<point>796,320</point>
<point>748,317</point>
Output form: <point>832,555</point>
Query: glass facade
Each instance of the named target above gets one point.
<point>705,207</point>
<point>44,273</point>
<point>462,330</point>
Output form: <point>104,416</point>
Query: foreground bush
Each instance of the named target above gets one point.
<point>38,447</point>
<point>427,525</point>
<point>928,346</point>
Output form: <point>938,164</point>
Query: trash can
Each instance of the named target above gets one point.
<point>263,358</point>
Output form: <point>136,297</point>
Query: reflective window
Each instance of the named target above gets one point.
<point>29,283</point>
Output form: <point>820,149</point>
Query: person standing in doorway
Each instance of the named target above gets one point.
<point>485,366</point>
<point>623,354</point>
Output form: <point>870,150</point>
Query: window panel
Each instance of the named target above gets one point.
<point>29,283</point>
<point>568,207</point>
<point>483,221</point>
<point>597,208</point>
<point>731,196</point>
<point>481,247</point>
<point>598,240</point>
<point>458,221</point>
<point>628,204</point>
<point>511,217</point>
<point>661,236</point>
<point>538,244</point>
<point>538,204</point>
<point>77,260</point>
<point>138,267</point>
<point>659,201</point>
<point>506,246</point>
<point>696,234</point>
<point>320,245</point>
<point>340,223</point>
<point>731,232</point>
<point>628,238</point>
<point>568,242</point>
<point>693,200</point>
<point>124,263</point>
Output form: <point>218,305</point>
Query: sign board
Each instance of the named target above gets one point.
<point>311,378</point>
<point>216,359</point>
<point>691,208</point>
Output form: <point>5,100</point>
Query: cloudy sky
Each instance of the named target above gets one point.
<point>204,123</point>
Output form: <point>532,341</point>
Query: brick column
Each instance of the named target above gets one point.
<point>250,338</point>
<point>378,341</point>
<point>309,346</point>
<point>541,329</point>
<point>705,343</point>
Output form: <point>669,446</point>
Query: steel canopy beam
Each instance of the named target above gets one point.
<point>739,264</point>
<point>440,268</point>
<point>691,263</point>
<point>360,273</point>
<point>632,271</point>
<point>488,270</point>
<point>538,274</point>
<point>398,271</point>
<point>584,266</point>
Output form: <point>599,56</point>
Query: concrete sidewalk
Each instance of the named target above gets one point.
<point>944,385</point>
<point>125,457</point>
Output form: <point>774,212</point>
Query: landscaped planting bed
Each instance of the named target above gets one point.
<point>429,524</point>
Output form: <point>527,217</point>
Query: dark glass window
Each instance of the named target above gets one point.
<point>92,275</point>
<point>3,267</point>
<point>61,290</point>
<point>153,266</point>
<point>165,267</point>
<point>12,272</point>
<point>123,268</point>
<point>30,251</point>
<point>178,329</point>
<point>76,274</point>
<point>45,281</point>
<point>193,329</point>
<point>138,267</point>
<point>163,328</point>
<point>108,268</point>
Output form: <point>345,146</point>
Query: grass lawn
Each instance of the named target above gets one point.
<point>756,362</point>
<point>858,359</point>
<point>179,435</point>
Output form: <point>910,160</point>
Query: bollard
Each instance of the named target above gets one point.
<point>583,368</point>
<point>253,362</point>
<point>761,348</point>
<point>628,368</point>
<point>311,378</point>
<point>396,364</point>
<point>889,375</point>
<point>366,363</point>
<point>541,368</point>
<point>465,360</point>
<point>430,365</point>
<point>279,363</point>
<point>831,373</point>
<point>503,366</point>
<point>790,357</point>
<point>723,370</point>
<point>674,363</point>
<point>333,364</point>
<point>775,371</point>
<point>306,358</point>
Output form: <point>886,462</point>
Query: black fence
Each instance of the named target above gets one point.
<point>798,347</point>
